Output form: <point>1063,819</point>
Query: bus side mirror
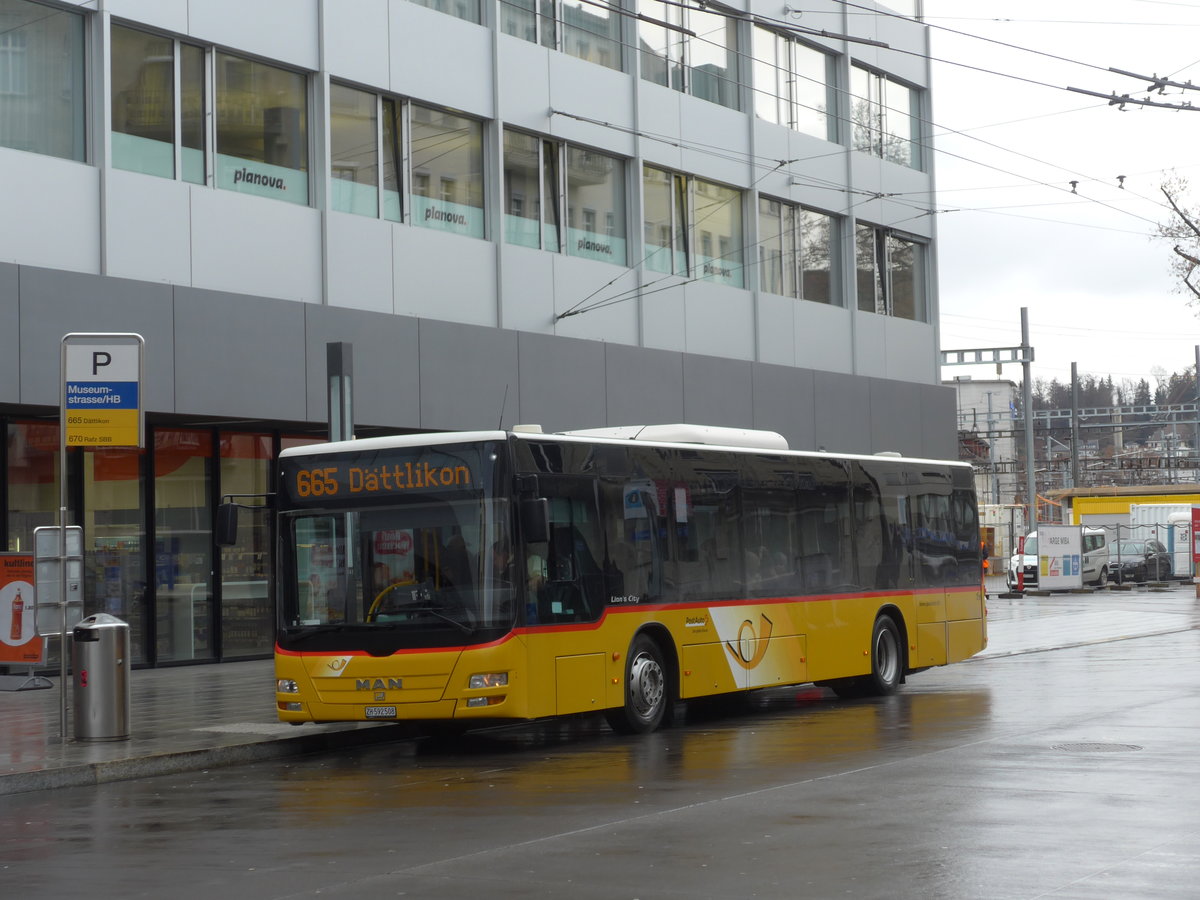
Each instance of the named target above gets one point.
<point>227,524</point>
<point>535,520</point>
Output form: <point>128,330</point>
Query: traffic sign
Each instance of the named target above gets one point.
<point>101,400</point>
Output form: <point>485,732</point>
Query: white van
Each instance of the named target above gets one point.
<point>1095,563</point>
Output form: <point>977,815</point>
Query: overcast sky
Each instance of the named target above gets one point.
<point>1011,232</point>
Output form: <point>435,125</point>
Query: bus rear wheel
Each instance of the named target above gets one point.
<point>647,689</point>
<point>887,664</point>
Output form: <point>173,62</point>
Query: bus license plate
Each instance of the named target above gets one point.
<point>381,712</point>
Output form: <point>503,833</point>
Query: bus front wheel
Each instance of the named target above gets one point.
<point>647,688</point>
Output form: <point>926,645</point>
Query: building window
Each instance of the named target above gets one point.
<point>460,9</point>
<point>353,150</point>
<point>885,118</point>
<point>692,227</point>
<point>42,99</point>
<point>794,85</point>
<point>143,102</point>
<point>890,273</point>
<point>690,50</point>
<point>796,251</point>
<point>539,174</point>
<point>261,129</point>
<point>446,151</point>
<point>531,201</point>
<point>595,195</point>
<point>145,81</point>
<point>582,28</point>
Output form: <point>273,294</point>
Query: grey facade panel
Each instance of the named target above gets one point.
<point>783,402</point>
<point>562,382</point>
<point>645,386</point>
<point>469,377</point>
<point>55,303</point>
<point>239,356</point>
<point>939,414</point>
<point>896,418</point>
<point>386,365</point>
<point>842,416</point>
<point>10,334</point>
<point>718,391</point>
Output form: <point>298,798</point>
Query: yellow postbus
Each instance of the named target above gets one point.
<point>514,575</point>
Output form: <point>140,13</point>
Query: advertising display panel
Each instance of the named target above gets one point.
<point>19,641</point>
<point>1060,557</point>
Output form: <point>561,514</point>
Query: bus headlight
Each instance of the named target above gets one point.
<point>287,686</point>
<point>489,680</point>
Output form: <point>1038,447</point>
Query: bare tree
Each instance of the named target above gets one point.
<point>1183,233</point>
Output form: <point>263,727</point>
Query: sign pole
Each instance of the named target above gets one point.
<point>101,406</point>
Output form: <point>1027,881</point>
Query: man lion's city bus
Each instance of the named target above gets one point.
<point>515,575</point>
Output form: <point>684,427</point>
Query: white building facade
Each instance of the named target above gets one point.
<point>575,213</point>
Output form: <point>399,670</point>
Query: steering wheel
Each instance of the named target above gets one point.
<point>378,601</point>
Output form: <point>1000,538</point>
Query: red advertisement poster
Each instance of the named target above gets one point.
<point>18,642</point>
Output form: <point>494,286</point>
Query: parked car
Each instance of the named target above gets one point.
<point>1095,563</point>
<point>1137,560</point>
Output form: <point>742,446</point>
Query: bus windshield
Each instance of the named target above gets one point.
<point>428,564</point>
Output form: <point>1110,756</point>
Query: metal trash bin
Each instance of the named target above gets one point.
<point>100,662</point>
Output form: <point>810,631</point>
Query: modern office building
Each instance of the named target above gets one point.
<point>575,213</point>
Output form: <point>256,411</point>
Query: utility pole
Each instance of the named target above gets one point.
<point>1074,425</point>
<point>1027,400</point>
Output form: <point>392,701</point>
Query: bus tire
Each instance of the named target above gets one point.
<point>647,689</point>
<point>887,658</point>
<point>887,665</point>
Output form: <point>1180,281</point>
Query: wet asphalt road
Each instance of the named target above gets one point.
<point>1063,763</point>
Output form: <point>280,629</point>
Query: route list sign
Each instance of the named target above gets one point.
<point>102,376</point>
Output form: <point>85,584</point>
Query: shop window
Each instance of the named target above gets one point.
<point>796,251</point>
<point>247,614</point>
<point>354,151</point>
<point>32,481</point>
<point>115,541</point>
<point>261,129</point>
<point>890,273</point>
<point>692,227</point>
<point>42,92</point>
<point>691,50</point>
<point>183,544</point>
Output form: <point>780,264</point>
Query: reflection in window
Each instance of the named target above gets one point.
<point>447,157</point>
<point>114,541</point>
<point>795,251</point>
<point>41,80</point>
<point>183,544</point>
<point>192,101</point>
<point>143,102</point>
<point>664,199</point>
<point>885,118</point>
<point>246,607</point>
<point>890,273</point>
<point>690,50</point>
<point>688,219</point>
<point>523,190</point>
<point>354,166</point>
<point>461,9</point>
<point>581,28</point>
<point>261,129</point>
<point>595,206</point>
<point>794,85</point>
